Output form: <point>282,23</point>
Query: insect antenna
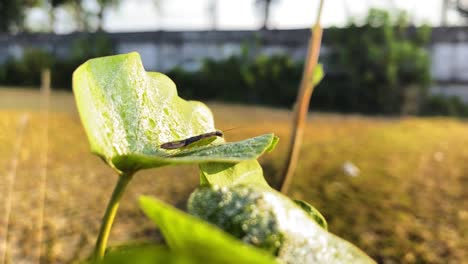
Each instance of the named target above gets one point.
<point>230,129</point>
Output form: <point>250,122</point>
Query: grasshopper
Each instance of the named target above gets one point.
<point>188,141</point>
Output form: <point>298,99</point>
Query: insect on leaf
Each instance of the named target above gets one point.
<point>128,113</point>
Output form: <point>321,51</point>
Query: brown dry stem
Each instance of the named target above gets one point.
<point>301,107</point>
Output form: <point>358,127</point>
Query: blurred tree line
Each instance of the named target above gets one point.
<point>25,71</point>
<point>378,66</point>
<point>13,14</point>
<point>85,19</point>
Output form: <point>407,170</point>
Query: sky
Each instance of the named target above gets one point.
<point>144,15</point>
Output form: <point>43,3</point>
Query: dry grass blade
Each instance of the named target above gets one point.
<point>23,121</point>
<point>45,90</point>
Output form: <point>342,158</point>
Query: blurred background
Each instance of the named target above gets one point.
<point>386,146</point>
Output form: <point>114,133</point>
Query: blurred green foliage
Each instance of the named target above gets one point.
<point>447,106</point>
<point>26,71</point>
<point>261,80</point>
<point>383,66</point>
<point>380,66</point>
<point>13,13</point>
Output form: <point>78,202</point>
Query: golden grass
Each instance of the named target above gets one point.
<point>408,205</point>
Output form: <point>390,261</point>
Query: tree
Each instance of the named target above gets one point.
<point>103,5</point>
<point>462,8</point>
<point>51,6</point>
<point>213,13</point>
<point>76,9</point>
<point>444,9</point>
<point>12,14</point>
<point>158,4</point>
<point>265,7</point>
<point>347,10</point>
<point>380,67</point>
<point>80,15</point>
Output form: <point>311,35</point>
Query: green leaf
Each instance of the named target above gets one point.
<point>228,174</point>
<point>268,219</point>
<point>247,173</point>
<point>232,152</point>
<point>314,213</point>
<point>238,199</point>
<point>240,212</point>
<point>147,254</point>
<point>318,74</point>
<point>128,113</point>
<point>190,235</point>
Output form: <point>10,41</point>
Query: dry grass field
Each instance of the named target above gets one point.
<point>409,204</point>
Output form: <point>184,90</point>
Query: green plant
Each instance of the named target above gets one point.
<point>81,49</point>
<point>445,106</point>
<point>383,65</point>
<point>268,80</point>
<point>128,113</point>
<point>26,70</point>
<point>380,66</point>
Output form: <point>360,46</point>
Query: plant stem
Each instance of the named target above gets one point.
<point>111,211</point>
<point>302,103</point>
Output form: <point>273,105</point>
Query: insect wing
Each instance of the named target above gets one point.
<point>200,143</point>
<point>195,141</point>
<point>173,144</point>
